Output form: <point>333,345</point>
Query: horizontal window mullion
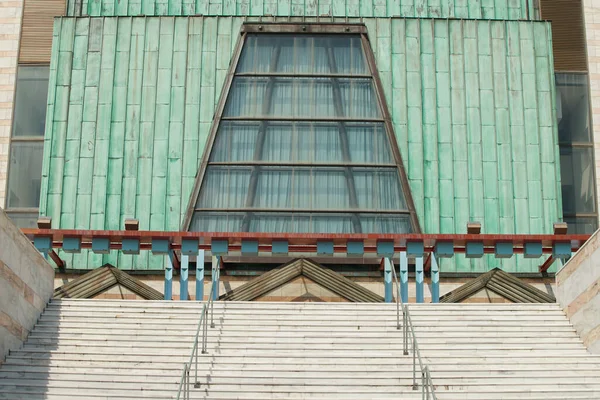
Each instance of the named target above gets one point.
<point>301,119</point>
<point>301,164</point>
<point>576,144</point>
<point>300,75</point>
<point>27,139</point>
<point>302,210</point>
<point>580,215</point>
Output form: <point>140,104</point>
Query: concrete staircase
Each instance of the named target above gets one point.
<point>104,349</point>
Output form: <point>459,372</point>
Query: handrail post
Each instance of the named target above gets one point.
<point>405,329</point>
<point>212,321</point>
<point>423,385</point>
<point>414,363</point>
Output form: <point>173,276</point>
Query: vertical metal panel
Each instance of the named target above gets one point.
<point>487,9</point>
<point>512,59</point>
<point>419,279</point>
<point>200,276</point>
<point>183,277</point>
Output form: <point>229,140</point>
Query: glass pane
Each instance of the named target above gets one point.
<point>302,142</point>
<point>301,223</point>
<point>577,179</point>
<point>255,97</point>
<point>23,220</point>
<point>302,188</point>
<point>31,101</point>
<point>305,54</point>
<point>25,174</point>
<point>224,187</point>
<point>572,108</point>
<point>581,225</point>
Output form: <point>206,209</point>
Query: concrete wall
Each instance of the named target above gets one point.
<point>578,292</point>
<point>10,30</point>
<point>26,285</point>
<point>303,289</point>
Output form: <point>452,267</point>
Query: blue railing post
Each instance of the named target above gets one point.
<point>183,277</point>
<point>404,276</point>
<point>216,264</point>
<point>200,276</point>
<point>387,280</point>
<point>419,278</point>
<point>435,280</point>
<point>169,276</point>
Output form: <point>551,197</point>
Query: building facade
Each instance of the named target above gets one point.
<point>305,116</point>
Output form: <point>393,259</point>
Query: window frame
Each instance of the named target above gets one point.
<point>23,211</point>
<point>580,144</point>
<point>299,29</point>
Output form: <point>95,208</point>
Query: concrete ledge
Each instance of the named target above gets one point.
<point>578,292</point>
<point>26,285</point>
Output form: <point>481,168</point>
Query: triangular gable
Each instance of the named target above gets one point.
<point>327,278</point>
<point>100,280</point>
<point>501,283</point>
<point>302,139</point>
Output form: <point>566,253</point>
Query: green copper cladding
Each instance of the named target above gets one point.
<point>131,101</point>
<point>465,9</point>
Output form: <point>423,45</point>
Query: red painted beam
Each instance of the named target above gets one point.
<point>547,264</point>
<point>307,242</point>
<point>57,260</point>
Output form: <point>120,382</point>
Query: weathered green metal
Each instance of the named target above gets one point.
<point>131,100</point>
<point>467,9</point>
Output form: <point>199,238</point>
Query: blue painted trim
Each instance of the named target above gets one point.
<point>160,246</point>
<point>387,280</point>
<point>101,245</point>
<point>200,276</point>
<point>419,279</point>
<point>404,276</point>
<point>325,247</point>
<point>532,250</point>
<point>216,273</point>
<point>169,278</point>
<point>71,245</point>
<point>219,247</point>
<point>415,249</point>
<point>504,250</point>
<point>189,247</point>
<point>183,277</point>
<point>249,247</point>
<point>355,249</point>
<point>444,249</point>
<point>385,248</point>
<point>474,250</point>
<point>43,244</point>
<point>131,246</point>
<point>561,250</point>
<point>279,247</point>
<point>435,280</point>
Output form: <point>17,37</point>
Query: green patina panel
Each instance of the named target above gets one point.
<point>460,9</point>
<point>128,122</point>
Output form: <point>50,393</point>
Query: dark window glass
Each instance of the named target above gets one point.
<point>23,220</point>
<point>577,179</point>
<point>31,101</point>
<point>24,174</point>
<point>581,225</point>
<point>296,101</point>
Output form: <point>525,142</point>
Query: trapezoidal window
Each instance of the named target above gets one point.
<point>303,143</point>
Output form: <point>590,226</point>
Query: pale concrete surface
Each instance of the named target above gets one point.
<point>26,285</point>
<point>11,12</point>
<point>578,292</point>
<point>591,15</point>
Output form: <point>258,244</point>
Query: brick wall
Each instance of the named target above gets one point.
<point>10,29</point>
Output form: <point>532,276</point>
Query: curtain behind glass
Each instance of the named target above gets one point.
<point>305,54</point>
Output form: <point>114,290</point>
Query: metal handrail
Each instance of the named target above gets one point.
<point>427,389</point>
<point>184,384</point>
